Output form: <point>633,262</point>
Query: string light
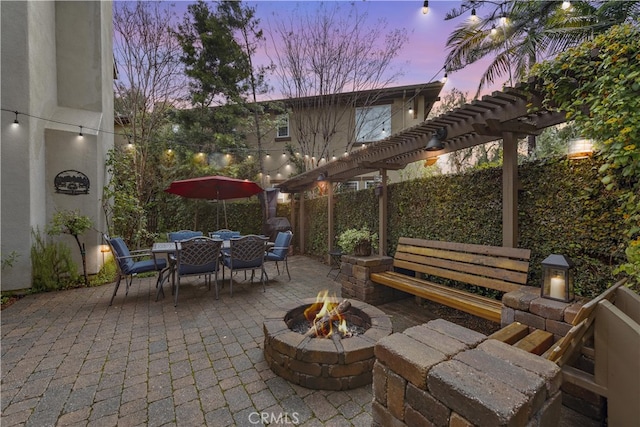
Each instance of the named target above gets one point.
<point>425,7</point>
<point>566,5</point>
<point>15,121</point>
<point>130,146</point>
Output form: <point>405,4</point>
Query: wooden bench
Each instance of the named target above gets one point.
<point>605,330</point>
<point>492,267</point>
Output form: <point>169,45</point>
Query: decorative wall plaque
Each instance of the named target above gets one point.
<point>71,182</point>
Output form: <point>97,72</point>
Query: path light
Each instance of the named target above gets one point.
<point>580,148</point>
<point>557,273</point>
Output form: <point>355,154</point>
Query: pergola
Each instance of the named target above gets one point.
<point>509,114</point>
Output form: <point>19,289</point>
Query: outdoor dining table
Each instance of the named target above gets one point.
<point>165,248</point>
<point>168,248</point>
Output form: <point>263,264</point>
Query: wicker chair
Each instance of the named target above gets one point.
<point>245,253</point>
<point>197,256</point>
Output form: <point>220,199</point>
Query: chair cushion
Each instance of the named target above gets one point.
<point>122,251</point>
<point>272,256</point>
<point>185,270</point>
<point>239,264</point>
<point>146,266</point>
<point>280,247</point>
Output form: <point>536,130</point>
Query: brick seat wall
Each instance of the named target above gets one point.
<point>443,374</point>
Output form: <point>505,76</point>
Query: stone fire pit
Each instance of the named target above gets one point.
<point>332,363</point>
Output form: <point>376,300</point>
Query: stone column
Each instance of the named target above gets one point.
<point>528,307</point>
<point>354,278</point>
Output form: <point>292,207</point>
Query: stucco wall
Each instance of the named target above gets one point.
<point>57,70</point>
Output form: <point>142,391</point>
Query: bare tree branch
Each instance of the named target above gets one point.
<point>326,60</point>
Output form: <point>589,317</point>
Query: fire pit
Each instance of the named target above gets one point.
<point>323,356</point>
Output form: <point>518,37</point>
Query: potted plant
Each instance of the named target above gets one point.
<point>358,241</point>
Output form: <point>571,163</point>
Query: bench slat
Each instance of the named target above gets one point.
<point>486,282</point>
<point>472,268</point>
<point>537,342</point>
<point>435,287</point>
<point>518,253</point>
<point>467,257</point>
<point>511,333</point>
<point>470,303</point>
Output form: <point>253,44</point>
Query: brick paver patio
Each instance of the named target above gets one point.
<point>70,359</point>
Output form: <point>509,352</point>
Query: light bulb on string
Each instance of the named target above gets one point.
<point>15,121</point>
<point>80,133</point>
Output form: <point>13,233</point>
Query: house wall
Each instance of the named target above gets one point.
<point>57,71</point>
<point>278,167</point>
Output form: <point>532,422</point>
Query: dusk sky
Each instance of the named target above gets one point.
<point>423,56</point>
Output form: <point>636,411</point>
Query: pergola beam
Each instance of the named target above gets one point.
<point>505,115</point>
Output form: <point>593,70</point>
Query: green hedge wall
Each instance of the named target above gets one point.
<point>563,209</point>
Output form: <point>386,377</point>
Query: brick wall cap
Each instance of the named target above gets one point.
<point>470,337</point>
<point>521,298</point>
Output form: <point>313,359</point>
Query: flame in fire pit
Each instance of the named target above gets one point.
<point>324,312</point>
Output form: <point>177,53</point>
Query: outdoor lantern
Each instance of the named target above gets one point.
<point>580,148</point>
<point>435,143</point>
<point>557,273</point>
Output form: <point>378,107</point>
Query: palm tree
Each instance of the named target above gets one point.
<point>517,34</point>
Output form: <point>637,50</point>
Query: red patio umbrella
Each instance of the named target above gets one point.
<point>214,188</point>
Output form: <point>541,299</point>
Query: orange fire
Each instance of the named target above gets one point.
<point>322,309</point>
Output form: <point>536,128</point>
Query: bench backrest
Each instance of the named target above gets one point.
<point>494,267</point>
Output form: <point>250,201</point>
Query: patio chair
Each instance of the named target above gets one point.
<point>197,256</point>
<point>176,236</point>
<point>280,250</point>
<point>245,253</point>
<point>127,266</point>
<point>224,234</point>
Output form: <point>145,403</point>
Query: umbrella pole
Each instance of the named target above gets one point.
<point>224,205</point>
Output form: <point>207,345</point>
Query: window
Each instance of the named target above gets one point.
<point>343,187</point>
<point>283,127</point>
<point>373,123</point>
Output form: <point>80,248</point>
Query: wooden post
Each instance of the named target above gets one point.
<point>382,216</point>
<point>292,215</point>
<point>301,223</point>
<point>509,190</point>
<point>330,226</point>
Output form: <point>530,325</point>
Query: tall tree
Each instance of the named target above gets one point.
<point>518,34</point>
<point>330,62</point>
<point>251,37</point>
<point>217,49</point>
<point>150,82</point>
<point>217,67</point>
